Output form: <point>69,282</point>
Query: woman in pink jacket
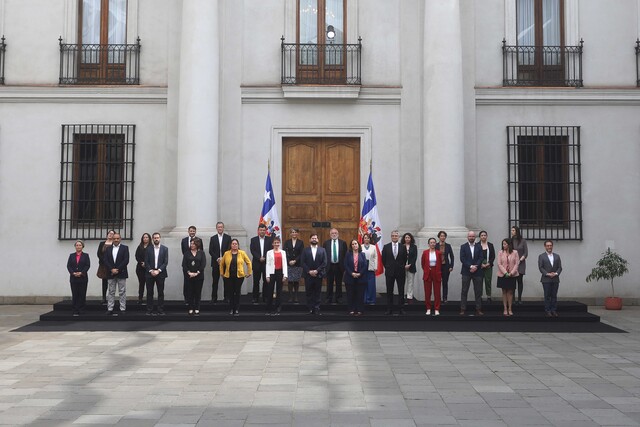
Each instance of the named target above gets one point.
<point>508,261</point>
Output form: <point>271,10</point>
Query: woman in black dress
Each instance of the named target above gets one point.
<point>78,265</point>
<point>293,248</point>
<point>194,262</point>
<point>145,240</point>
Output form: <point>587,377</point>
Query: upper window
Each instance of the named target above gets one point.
<point>96,186</point>
<point>540,23</point>
<point>544,184</point>
<point>103,22</point>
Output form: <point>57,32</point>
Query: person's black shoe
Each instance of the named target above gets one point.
<point>149,312</point>
<point>388,313</point>
<point>278,310</point>
<point>76,314</point>
<point>161,313</point>
<point>489,300</point>
<point>123,312</point>
<point>338,300</point>
<point>401,312</point>
<point>139,302</point>
<point>111,313</point>
<point>310,312</point>
<point>236,313</point>
<point>104,302</point>
<point>254,302</point>
<point>225,301</point>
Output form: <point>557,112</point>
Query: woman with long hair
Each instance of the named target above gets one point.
<point>371,253</point>
<point>78,265</point>
<point>431,262</point>
<point>293,248</point>
<point>520,245</point>
<point>145,241</point>
<point>355,278</point>
<point>194,263</point>
<point>410,266</point>
<point>508,262</point>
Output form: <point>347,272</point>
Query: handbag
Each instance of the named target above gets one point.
<point>102,272</point>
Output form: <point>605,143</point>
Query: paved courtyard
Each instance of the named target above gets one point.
<point>318,378</point>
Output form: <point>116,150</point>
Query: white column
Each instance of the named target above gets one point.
<point>443,120</point>
<point>198,115</point>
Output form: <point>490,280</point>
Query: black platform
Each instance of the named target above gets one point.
<point>528,317</point>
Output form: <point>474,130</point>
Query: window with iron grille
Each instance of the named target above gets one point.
<point>96,181</point>
<point>544,181</point>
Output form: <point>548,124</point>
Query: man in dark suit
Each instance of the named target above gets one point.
<point>550,266</point>
<point>336,249</point>
<point>471,260</point>
<point>314,264</point>
<point>259,247</point>
<point>446,263</point>
<point>218,245</point>
<point>116,259</point>
<point>394,259</point>
<point>156,259</point>
<point>185,245</point>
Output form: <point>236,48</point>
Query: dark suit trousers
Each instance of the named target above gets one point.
<point>390,284</point>
<point>477,291</point>
<point>259,271</point>
<point>355,296</point>
<point>142,282</point>
<point>78,296</point>
<point>313,288</point>
<point>159,282</point>
<point>445,281</point>
<point>334,276</point>
<point>215,274</point>
<point>275,282</point>
<point>550,296</point>
<point>194,292</point>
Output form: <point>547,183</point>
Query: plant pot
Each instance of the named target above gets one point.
<point>613,303</point>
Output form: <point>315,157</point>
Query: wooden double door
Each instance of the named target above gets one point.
<point>321,186</point>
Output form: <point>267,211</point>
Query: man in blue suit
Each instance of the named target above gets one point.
<point>156,259</point>
<point>471,260</point>
<point>116,259</point>
<point>314,267</point>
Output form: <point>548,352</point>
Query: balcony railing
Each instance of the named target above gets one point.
<point>638,63</point>
<point>3,48</point>
<point>99,64</point>
<point>542,65</point>
<point>321,64</point>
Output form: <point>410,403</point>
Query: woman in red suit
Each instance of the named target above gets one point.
<point>432,276</point>
<point>78,266</point>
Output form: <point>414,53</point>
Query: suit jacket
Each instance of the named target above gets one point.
<point>294,252</point>
<point>121,262</point>
<point>449,259</point>
<point>467,260</point>
<point>254,247</point>
<point>242,260</point>
<point>363,267</point>
<point>342,251</point>
<point>193,264</point>
<point>492,253</point>
<point>309,263</point>
<point>521,247</point>
<point>394,267</point>
<point>150,261</point>
<point>508,263</point>
<point>214,247</point>
<point>271,263</point>
<point>412,257</point>
<point>545,267</point>
<point>436,272</point>
<point>82,267</point>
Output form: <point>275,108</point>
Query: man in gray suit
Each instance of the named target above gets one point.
<point>550,266</point>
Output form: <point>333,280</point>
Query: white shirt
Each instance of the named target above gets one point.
<point>432,259</point>
<point>550,256</point>
<point>314,250</point>
<point>472,247</point>
<point>395,250</point>
<point>156,254</point>
<point>261,246</point>
<point>220,242</point>
<point>115,252</point>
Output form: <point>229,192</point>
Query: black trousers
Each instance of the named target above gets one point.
<point>215,274</point>
<point>105,286</point>
<point>391,280</point>
<point>142,281</point>
<point>445,281</point>
<point>235,286</point>
<point>194,292</point>
<point>78,296</point>
<point>159,282</point>
<point>259,272</point>
<point>313,287</point>
<point>355,296</point>
<point>275,282</point>
<point>335,273</point>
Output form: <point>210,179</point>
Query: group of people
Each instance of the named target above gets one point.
<point>276,264</point>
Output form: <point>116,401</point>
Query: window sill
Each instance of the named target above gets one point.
<point>320,92</point>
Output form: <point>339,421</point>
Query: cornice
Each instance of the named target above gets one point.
<point>378,95</point>
<point>558,96</point>
<point>84,94</point>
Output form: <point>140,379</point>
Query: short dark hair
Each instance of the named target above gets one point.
<point>156,233</point>
<point>548,241</point>
<point>483,231</point>
<point>430,239</point>
<point>313,234</point>
<point>441,232</point>
<point>276,238</point>
<point>262,226</point>
<point>192,226</point>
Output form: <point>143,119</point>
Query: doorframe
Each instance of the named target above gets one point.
<point>278,133</point>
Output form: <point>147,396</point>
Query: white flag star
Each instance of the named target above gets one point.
<point>267,195</point>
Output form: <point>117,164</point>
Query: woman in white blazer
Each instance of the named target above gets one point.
<point>276,269</point>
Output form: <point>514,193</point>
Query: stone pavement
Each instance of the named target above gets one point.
<point>318,378</point>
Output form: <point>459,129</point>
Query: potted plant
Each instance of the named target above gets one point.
<point>610,266</point>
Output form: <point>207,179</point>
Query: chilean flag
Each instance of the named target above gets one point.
<point>370,222</point>
<point>269,215</point>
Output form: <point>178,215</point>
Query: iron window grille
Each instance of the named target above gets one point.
<point>96,181</point>
<point>638,62</point>
<point>322,64</point>
<point>542,65</point>
<point>3,48</point>
<point>544,181</point>
<point>99,64</point>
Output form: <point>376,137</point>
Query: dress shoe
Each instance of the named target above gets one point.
<point>428,313</point>
<point>190,312</point>
<point>554,313</point>
<point>401,312</point>
<point>236,313</point>
<point>388,313</point>
<point>225,301</point>
<point>161,313</point>
<point>489,300</point>
<point>351,313</point>
<point>254,302</point>
<point>140,302</point>
<point>104,302</point>
<point>548,314</point>
<point>230,312</point>
<point>461,312</point>
<point>76,314</point>
<point>437,313</point>
<point>123,312</point>
<point>479,313</point>
<point>310,312</point>
<point>111,313</point>
<point>338,300</point>
<point>278,309</point>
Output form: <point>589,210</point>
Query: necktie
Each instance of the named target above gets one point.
<point>395,250</point>
<point>335,252</point>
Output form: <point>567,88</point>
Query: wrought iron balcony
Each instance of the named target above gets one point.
<point>321,64</point>
<point>3,48</point>
<point>99,64</point>
<point>542,65</point>
<point>638,62</point>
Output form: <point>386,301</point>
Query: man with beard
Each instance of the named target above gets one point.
<point>314,264</point>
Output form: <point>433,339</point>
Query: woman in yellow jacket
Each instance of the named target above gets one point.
<point>232,268</point>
